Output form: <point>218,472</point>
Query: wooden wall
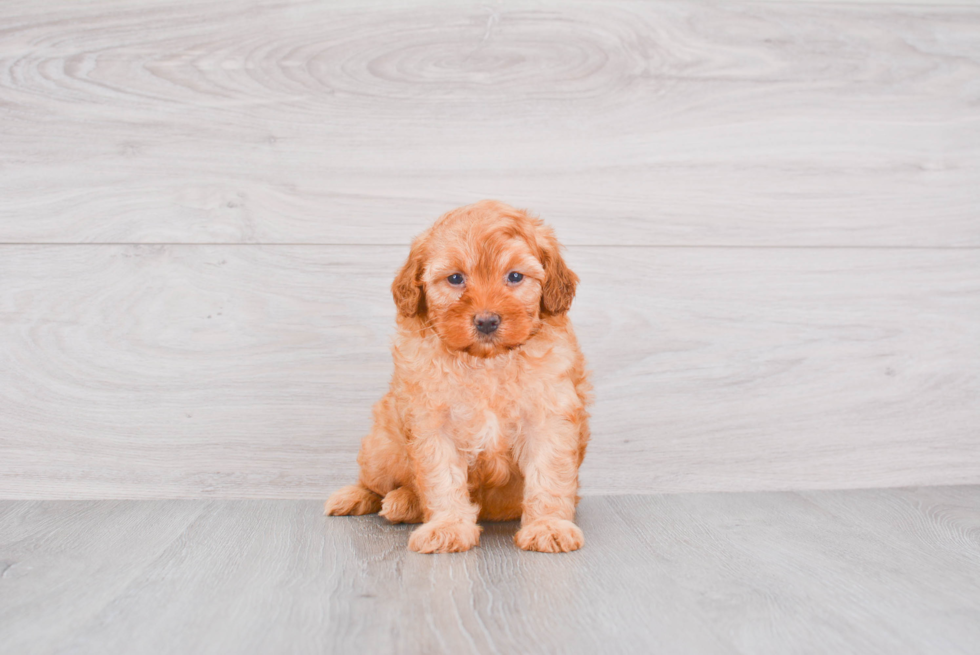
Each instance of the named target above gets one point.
<point>774,208</point>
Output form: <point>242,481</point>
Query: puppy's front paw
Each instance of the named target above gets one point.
<point>444,537</point>
<point>550,536</point>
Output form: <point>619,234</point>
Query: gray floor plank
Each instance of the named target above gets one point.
<point>63,563</point>
<point>846,572</point>
<point>908,524</point>
<point>785,575</point>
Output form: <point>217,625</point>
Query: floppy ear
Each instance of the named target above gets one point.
<point>407,287</point>
<point>559,285</point>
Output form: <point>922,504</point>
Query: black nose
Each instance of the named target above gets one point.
<point>486,323</point>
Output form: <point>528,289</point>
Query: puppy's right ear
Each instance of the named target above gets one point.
<point>407,287</point>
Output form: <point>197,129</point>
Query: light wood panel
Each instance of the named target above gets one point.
<point>855,572</point>
<point>241,369</point>
<point>621,122</point>
<point>161,371</point>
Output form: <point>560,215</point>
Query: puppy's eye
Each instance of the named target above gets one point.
<point>455,279</point>
<point>514,277</point>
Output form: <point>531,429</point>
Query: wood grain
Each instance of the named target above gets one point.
<point>774,207</point>
<point>63,564</point>
<point>779,573</point>
<point>854,572</point>
<point>176,371</point>
<point>667,123</point>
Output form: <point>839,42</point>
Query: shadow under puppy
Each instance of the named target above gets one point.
<point>485,417</point>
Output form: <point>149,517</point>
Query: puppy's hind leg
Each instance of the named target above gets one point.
<point>503,503</point>
<point>382,460</point>
<point>402,505</point>
<point>354,499</point>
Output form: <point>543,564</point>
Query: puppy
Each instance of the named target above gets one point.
<point>486,414</point>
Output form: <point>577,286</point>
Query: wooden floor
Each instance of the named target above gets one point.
<point>873,571</point>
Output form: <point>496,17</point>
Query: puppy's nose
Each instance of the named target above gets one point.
<point>487,323</point>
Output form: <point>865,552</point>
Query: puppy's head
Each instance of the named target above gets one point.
<point>483,276</point>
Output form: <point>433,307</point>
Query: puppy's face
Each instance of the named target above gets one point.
<point>482,277</point>
<point>483,291</point>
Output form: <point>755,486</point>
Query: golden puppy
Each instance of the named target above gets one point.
<point>485,417</point>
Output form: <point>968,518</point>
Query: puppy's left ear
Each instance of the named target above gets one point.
<point>559,285</point>
<point>407,287</point>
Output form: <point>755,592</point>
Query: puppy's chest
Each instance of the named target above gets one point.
<point>488,411</point>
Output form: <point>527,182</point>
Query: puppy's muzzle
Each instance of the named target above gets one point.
<point>486,323</point>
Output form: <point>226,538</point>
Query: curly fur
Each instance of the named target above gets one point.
<point>479,426</point>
